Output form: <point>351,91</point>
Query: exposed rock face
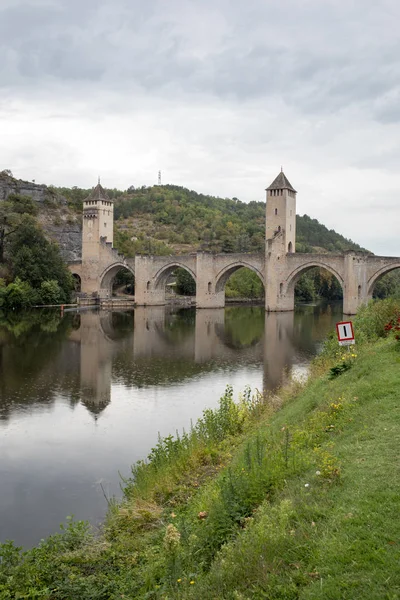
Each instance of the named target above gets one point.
<point>38,193</point>
<point>58,221</point>
<point>69,238</point>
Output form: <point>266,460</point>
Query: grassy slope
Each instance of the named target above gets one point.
<point>338,539</point>
<point>301,502</point>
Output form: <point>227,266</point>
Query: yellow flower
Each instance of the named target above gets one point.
<point>179,580</point>
<point>192,582</point>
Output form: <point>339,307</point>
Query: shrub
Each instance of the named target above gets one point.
<point>50,292</point>
<point>19,294</point>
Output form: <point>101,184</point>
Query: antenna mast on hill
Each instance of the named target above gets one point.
<point>159,177</point>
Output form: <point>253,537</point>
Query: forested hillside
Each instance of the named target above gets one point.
<point>172,219</point>
<point>184,220</point>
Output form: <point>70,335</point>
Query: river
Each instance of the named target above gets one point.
<point>85,396</point>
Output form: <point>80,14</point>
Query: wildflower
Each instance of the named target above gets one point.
<point>172,538</point>
<point>318,472</point>
<point>179,580</point>
<point>191,582</point>
<point>306,485</point>
<point>173,515</point>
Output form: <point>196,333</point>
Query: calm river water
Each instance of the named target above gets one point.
<point>85,396</point>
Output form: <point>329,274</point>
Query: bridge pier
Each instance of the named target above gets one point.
<point>148,291</point>
<point>355,288</point>
<point>207,295</point>
<point>279,294</point>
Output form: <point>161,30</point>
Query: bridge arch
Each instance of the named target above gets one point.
<point>160,278</point>
<point>109,273</point>
<point>378,275</point>
<point>77,281</point>
<point>295,275</point>
<point>226,272</point>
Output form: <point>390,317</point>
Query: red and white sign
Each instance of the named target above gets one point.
<point>345,333</point>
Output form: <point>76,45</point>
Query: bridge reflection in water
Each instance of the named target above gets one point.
<point>154,345</point>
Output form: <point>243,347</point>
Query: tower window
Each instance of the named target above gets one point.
<point>209,287</point>
<point>105,224</point>
<point>276,211</point>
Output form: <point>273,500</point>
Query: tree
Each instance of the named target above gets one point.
<point>19,294</point>
<point>12,213</point>
<point>35,260</point>
<point>185,284</point>
<point>244,284</point>
<point>50,292</point>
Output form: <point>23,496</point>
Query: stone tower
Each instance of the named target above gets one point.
<point>280,236</point>
<point>97,231</point>
<point>281,213</point>
<point>98,222</point>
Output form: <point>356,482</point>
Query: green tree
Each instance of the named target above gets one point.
<point>305,288</point>
<point>51,292</point>
<point>12,213</point>
<point>19,294</point>
<point>244,283</point>
<point>35,260</point>
<point>3,291</point>
<point>185,284</point>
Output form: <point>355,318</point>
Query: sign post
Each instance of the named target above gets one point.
<point>345,333</point>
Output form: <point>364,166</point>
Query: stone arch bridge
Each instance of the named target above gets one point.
<point>356,272</point>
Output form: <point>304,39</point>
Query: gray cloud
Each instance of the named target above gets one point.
<point>318,58</point>
<point>216,94</point>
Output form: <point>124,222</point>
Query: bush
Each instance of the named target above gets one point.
<point>50,292</point>
<point>372,318</point>
<point>19,294</point>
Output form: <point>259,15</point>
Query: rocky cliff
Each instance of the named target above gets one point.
<point>61,224</point>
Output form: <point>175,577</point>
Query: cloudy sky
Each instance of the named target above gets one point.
<point>217,94</point>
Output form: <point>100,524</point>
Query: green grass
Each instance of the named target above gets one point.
<point>337,538</point>
<point>295,497</point>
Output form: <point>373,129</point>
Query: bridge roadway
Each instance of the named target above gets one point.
<point>357,273</point>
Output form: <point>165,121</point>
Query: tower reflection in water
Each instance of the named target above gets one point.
<point>154,345</point>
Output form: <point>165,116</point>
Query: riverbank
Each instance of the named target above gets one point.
<point>281,496</point>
